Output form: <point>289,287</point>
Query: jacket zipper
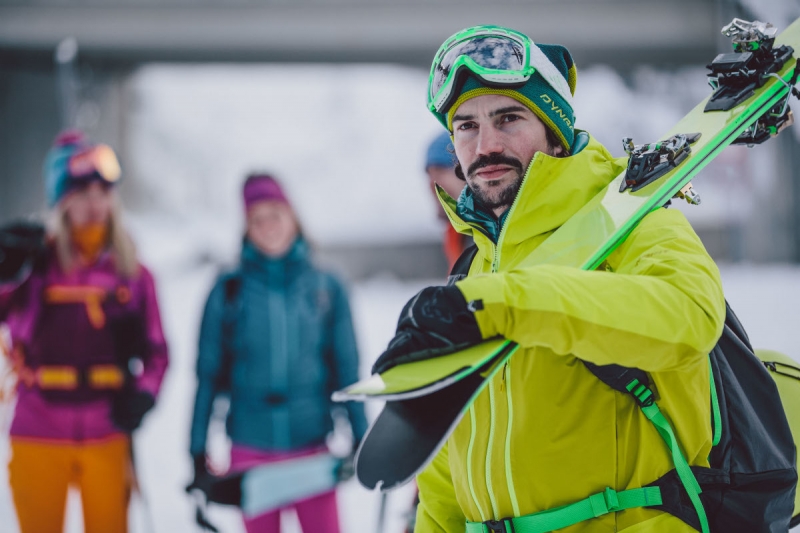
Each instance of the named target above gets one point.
<point>495,268</point>
<point>496,261</point>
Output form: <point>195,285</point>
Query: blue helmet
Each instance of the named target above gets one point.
<point>440,152</point>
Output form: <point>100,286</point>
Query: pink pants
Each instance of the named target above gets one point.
<point>316,515</point>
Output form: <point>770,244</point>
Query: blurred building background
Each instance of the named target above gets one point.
<point>328,94</point>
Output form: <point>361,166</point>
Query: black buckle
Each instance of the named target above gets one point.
<point>499,526</point>
<point>642,394</point>
<point>82,374</point>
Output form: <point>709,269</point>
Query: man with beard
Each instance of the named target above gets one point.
<point>546,445</point>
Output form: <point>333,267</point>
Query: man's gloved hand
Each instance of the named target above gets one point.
<point>435,322</point>
<point>203,479</point>
<point>20,243</point>
<point>128,409</point>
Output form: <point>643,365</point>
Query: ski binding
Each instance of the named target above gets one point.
<point>648,162</point>
<point>735,76</point>
<point>771,124</point>
<point>776,119</point>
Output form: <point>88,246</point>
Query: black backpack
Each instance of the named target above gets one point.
<point>750,485</point>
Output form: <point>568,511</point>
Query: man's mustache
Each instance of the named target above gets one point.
<point>494,159</point>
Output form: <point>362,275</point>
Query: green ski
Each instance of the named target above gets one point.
<point>424,377</point>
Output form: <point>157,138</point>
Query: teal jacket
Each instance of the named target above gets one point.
<point>292,345</point>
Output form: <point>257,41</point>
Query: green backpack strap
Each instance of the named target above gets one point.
<point>636,382</point>
<point>715,412</point>
<point>602,503</point>
<point>609,500</point>
<point>644,397</point>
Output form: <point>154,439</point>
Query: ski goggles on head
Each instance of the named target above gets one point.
<point>94,162</point>
<point>500,57</point>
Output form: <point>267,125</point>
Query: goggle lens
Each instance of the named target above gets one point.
<point>95,161</point>
<point>488,51</point>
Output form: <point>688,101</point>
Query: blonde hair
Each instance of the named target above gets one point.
<point>123,251</point>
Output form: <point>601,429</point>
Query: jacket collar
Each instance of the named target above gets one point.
<point>552,190</point>
<point>255,261</point>
<point>477,215</point>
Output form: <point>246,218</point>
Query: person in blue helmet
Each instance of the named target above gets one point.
<point>440,167</point>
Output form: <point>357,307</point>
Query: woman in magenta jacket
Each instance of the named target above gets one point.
<point>86,344</point>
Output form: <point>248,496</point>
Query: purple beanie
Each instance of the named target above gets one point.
<point>260,187</point>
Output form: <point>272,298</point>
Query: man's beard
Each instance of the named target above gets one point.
<point>494,194</point>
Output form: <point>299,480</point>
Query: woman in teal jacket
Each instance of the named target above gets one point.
<point>278,337</point>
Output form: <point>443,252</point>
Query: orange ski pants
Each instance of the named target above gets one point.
<point>40,473</point>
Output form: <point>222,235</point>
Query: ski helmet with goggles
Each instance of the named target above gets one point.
<point>72,161</point>
<point>496,60</point>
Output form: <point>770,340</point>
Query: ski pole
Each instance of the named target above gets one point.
<point>382,512</point>
<point>200,505</point>
<point>67,82</point>
<point>137,488</point>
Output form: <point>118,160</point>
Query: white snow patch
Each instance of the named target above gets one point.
<point>347,141</point>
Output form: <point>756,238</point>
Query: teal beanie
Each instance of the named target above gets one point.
<point>537,94</point>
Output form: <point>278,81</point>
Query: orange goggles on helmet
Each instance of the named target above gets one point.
<point>97,161</point>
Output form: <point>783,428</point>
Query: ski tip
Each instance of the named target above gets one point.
<point>371,386</point>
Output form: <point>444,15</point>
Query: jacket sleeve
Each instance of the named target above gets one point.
<point>658,306</point>
<point>158,359</point>
<point>209,360</point>
<point>7,290</point>
<point>343,351</point>
<point>438,510</point>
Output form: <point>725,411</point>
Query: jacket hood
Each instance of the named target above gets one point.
<point>552,190</point>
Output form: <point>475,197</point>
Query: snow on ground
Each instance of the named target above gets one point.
<point>764,298</point>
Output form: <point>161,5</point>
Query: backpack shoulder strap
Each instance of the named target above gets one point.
<point>232,286</point>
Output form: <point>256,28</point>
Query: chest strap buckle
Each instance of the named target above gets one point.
<point>499,526</point>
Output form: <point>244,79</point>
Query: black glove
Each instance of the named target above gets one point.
<point>203,479</point>
<point>20,243</point>
<point>437,321</point>
<point>129,408</point>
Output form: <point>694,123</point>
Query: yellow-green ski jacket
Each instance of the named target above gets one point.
<point>546,432</point>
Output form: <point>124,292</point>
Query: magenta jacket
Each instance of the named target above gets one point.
<point>53,329</point>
